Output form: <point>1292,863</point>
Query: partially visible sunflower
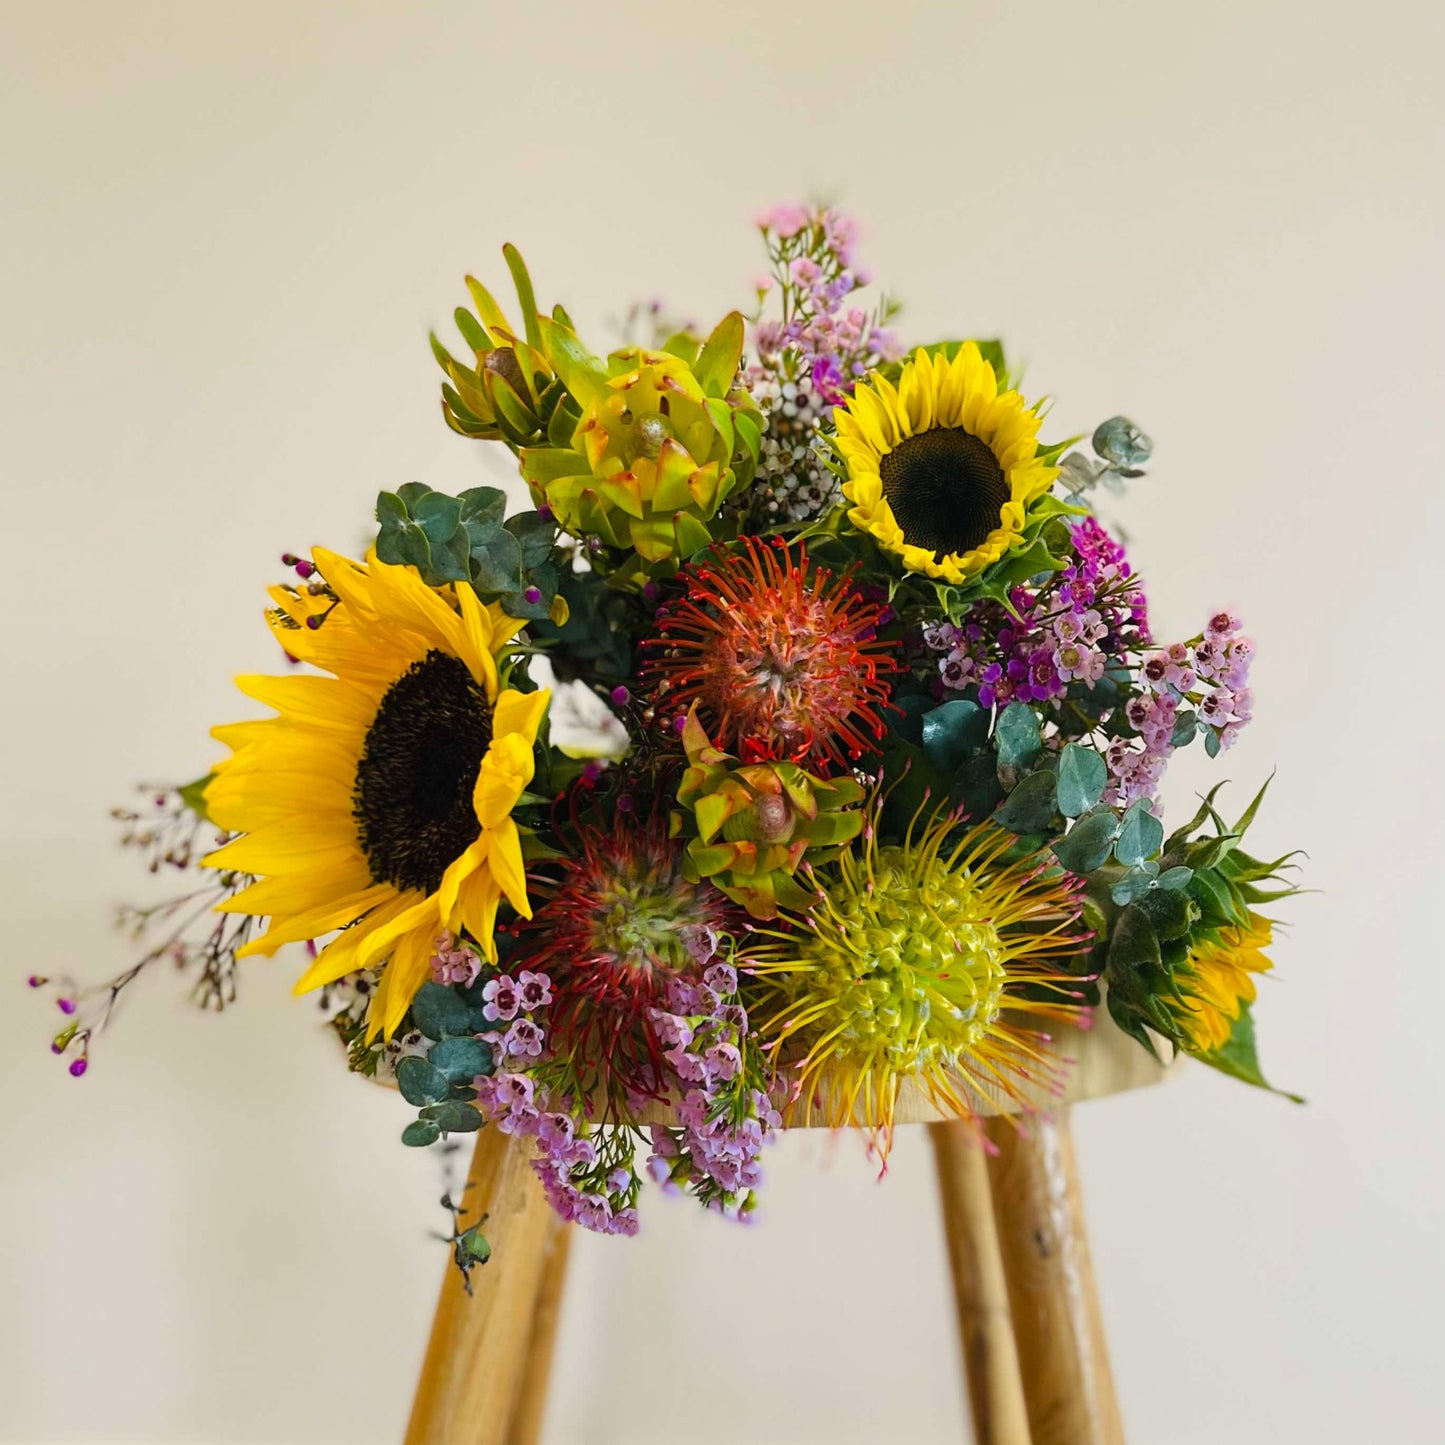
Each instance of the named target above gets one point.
<point>379,800</point>
<point>920,961</point>
<point>1218,980</point>
<point>941,468</point>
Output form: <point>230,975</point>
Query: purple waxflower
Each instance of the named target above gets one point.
<point>1222,624</point>
<point>500,999</point>
<point>724,1061</point>
<point>1217,707</point>
<point>524,1040</point>
<point>721,978</point>
<point>534,990</point>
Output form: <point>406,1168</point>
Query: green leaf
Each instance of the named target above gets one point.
<point>526,299</point>
<point>1133,944</point>
<point>497,566</point>
<point>717,366</point>
<point>1031,806</point>
<point>1140,835</point>
<point>420,1081</point>
<point>483,507</point>
<point>421,1132</point>
<point>411,493</point>
<point>454,1117</point>
<point>1177,877</point>
<point>582,373</point>
<point>952,732</point>
<point>1017,736</point>
<point>1135,883</point>
<point>390,509</point>
<point>1088,842</point>
<point>1239,1057</point>
<point>461,1059</point>
<point>474,1244</point>
<point>976,788</point>
<point>1082,776</point>
<point>535,537</point>
<point>1216,904</point>
<point>193,795</point>
<point>1170,911</point>
<point>438,1012</point>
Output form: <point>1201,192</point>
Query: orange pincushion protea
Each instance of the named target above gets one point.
<point>783,658</point>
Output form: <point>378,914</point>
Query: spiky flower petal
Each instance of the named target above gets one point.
<point>919,961</point>
<point>616,923</point>
<point>782,657</point>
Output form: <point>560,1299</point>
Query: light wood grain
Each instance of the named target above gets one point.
<point>980,1291</point>
<point>530,1407</point>
<point>472,1377</point>
<point>1057,1324</point>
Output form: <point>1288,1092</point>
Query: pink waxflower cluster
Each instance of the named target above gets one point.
<point>454,963</point>
<point>724,1121</point>
<point>1203,685</point>
<point>811,252</point>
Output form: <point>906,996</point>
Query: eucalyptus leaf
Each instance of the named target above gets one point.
<point>1140,835</point>
<point>461,1059</point>
<point>1088,843</point>
<point>1017,735</point>
<point>421,1132</point>
<point>1031,806</point>
<point>420,1081</point>
<point>497,566</point>
<point>439,1013</point>
<point>976,788</point>
<point>454,1117</point>
<point>1135,883</point>
<point>952,732</point>
<point>1082,776</point>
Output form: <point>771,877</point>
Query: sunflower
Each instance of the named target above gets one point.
<point>941,468</point>
<point>922,960</point>
<point>379,800</point>
<point>1218,981</point>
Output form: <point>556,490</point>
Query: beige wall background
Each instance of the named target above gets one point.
<point>226,230</point>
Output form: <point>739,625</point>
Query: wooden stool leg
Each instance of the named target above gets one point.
<point>990,1361</point>
<point>531,1404</point>
<point>474,1366</point>
<point>1057,1324</point>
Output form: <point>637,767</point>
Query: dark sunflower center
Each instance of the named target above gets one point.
<point>413,796</point>
<point>946,489</point>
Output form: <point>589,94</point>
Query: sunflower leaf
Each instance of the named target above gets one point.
<point>1239,1057</point>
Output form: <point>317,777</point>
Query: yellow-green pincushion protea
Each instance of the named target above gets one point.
<point>662,442</point>
<point>922,960</point>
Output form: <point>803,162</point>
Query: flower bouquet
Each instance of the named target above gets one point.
<point>796,749</point>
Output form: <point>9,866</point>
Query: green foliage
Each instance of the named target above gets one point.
<point>1032,805</point>
<point>1239,1057</point>
<point>1017,736</point>
<point>440,1012</point>
<point>1089,842</point>
<point>594,643</point>
<point>1082,775</point>
<point>468,538</point>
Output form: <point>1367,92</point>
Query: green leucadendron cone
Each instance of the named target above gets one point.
<point>511,392</point>
<point>749,825</point>
<point>663,439</point>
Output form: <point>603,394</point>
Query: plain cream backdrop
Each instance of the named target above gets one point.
<point>225,232</point>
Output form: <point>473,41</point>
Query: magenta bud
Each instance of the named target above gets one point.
<point>305,568</point>
<point>533,595</point>
<point>544,511</point>
<point>56,1047</point>
<point>287,560</point>
<point>620,695</point>
<point>625,803</point>
<point>679,723</point>
<point>77,1068</point>
<point>35,981</point>
<point>313,622</point>
<point>649,591</point>
<point>65,1005</point>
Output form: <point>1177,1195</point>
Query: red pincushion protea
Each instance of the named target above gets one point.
<point>782,657</point>
<point>610,929</point>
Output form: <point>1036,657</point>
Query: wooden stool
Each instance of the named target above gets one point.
<point>1032,1338</point>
